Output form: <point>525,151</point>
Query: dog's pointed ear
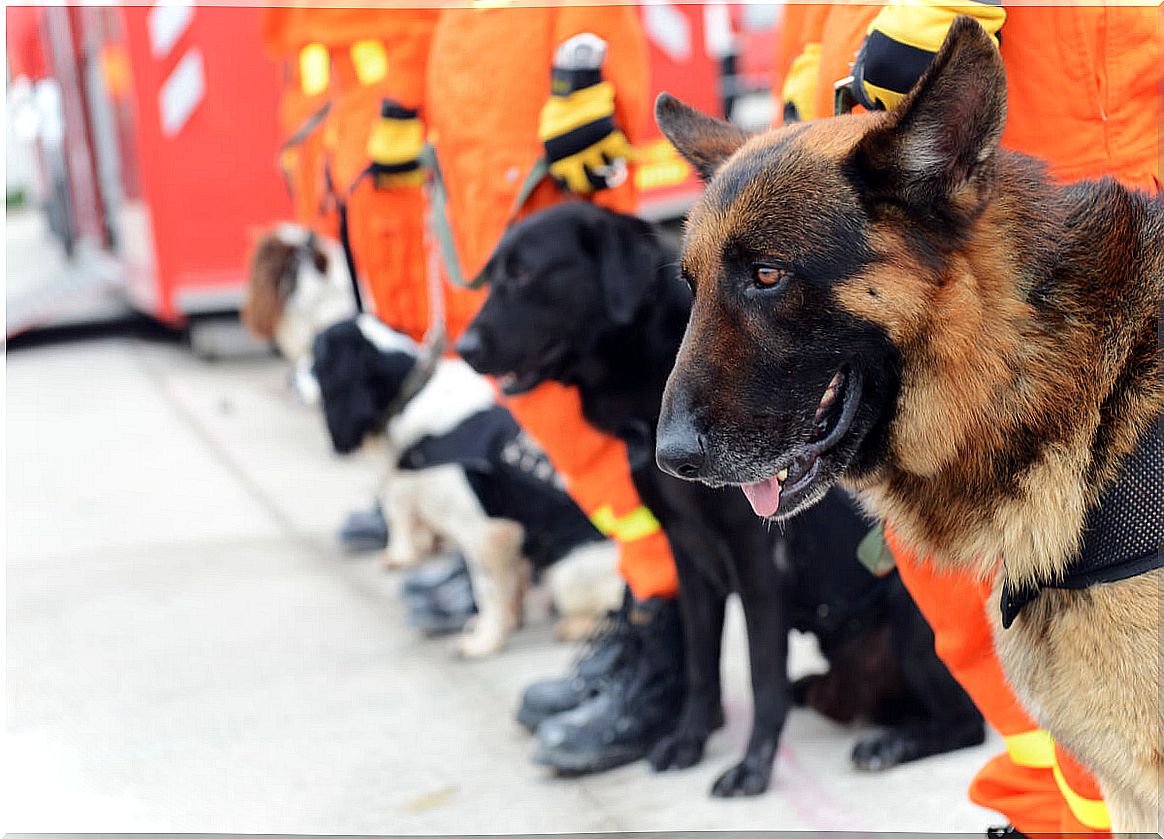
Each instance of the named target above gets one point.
<point>627,255</point>
<point>943,137</point>
<point>704,142</point>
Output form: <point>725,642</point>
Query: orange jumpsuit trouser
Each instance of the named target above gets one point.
<point>596,465</point>
<point>1021,782</point>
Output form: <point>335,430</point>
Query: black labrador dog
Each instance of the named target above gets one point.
<point>593,299</point>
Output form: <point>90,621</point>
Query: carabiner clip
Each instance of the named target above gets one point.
<point>843,99</point>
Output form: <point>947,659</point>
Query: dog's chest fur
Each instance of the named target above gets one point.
<point>1031,455</point>
<point>1012,495</point>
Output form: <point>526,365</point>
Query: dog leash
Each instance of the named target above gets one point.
<point>435,339</point>
<point>432,345</point>
<point>439,218</point>
<point>349,257</point>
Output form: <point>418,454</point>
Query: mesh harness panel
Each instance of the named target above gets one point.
<point>1123,535</point>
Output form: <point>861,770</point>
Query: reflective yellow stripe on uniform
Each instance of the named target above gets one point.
<point>1034,749</point>
<point>1088,811</point>
<point>370,61</point>
<point>639,523</point>
<point>314,69</point>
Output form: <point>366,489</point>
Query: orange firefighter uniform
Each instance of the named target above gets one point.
<point>386,224</point>
<point>488,80</point>
<point>342,65</point>
<point>1082,89</point>
<point>291,36</point>
<point>1082,81</point>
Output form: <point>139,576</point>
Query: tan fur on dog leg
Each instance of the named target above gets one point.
<point>496,582</point>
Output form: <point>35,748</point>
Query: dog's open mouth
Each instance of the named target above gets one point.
<point>834,414</point>
<point>513,384</point>
<point>549,363</point>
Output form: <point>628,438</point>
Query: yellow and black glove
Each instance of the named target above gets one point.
<point>395,146</point>
<point>799,90</point>
<point>903,39</point>
<point>585,150</point>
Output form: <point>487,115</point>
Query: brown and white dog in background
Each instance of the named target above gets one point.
<point>297,286</point>
<point>893,301</point>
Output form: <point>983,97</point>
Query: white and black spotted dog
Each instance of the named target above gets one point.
<point>465,472</point>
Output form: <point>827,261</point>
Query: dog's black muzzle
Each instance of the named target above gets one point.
<point>680,446</point>
<point>471,347</point>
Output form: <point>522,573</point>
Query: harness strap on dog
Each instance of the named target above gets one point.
<point>1122,535</point>
<point>512,478</point>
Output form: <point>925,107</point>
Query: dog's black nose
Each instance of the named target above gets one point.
<point>680,445</point>
<point>681,455</point>
<point>470,346</point>
<point>680,450</point>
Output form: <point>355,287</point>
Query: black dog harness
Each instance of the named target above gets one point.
<point>512,478</point>
<point>1123,535</point>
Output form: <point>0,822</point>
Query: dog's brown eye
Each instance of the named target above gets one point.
<point>767,276</point>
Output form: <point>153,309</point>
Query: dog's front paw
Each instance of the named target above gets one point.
<point>680,750</point>
<point>397,560</point>
<point>886,749</point>
<point>882,751</point>
<point>748,777</point>
<point>481,639</point>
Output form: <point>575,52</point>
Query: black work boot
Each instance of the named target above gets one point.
<point>422,580</point>
<point>444,609</point>
<point>633,707</point>
<point>602,652</point>
<point>364,531</point>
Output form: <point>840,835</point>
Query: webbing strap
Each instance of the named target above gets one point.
<point>435,340</point>
<point>304,130</point>
<point>438,203</point>
<point>349,257</point>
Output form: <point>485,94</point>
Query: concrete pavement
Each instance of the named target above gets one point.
<point>188,651</point>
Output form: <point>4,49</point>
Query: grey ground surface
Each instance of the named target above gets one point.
<point>187,650</point>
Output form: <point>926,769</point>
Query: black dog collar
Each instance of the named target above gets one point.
<point>1122,536</point>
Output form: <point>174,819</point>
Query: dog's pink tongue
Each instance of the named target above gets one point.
<point>764,496</point>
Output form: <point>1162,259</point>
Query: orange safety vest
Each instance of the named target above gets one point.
<point>386,226</point>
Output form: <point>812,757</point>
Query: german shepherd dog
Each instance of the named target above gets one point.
<point>592,298</point>
<point>893,301</point>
